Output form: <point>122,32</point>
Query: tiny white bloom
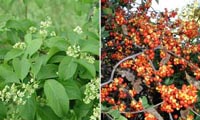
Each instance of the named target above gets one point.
<point>78,30</point>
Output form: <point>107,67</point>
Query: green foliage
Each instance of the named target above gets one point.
<point>33,46</point>
<point>13,53</point>
<point>34,40</point>
<point>28,110</point>
<point>90,67</point>
<point>144,102</point>
<point>21,67</point>
<point>67,68</point>
<point>116,115</point>
<point>58,102</point>
<point>8,75</point>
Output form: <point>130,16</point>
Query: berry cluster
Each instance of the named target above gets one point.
<point>166,46</point>
<point>175,98</point>
<point>120,87</point>
<point>119,17</point>
<point>165,71</point>
<point>190,29</point>
<point>149,116</point>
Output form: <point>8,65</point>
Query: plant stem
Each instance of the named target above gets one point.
<point>26,11</point>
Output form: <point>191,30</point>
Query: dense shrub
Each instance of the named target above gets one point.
<point>150,62</point>
<point>49,68</point>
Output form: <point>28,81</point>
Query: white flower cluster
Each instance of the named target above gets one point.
<point>20,45</point>
<point>47,23</point>
<point>53,34</point>
<point>13,115</point>
<point>43,32</point>
<point>41,100</point>
<point>88,57</point>
<point>44,25</point>
<point>92,90</point>
<point>32,29</point>
<point>74,51</point>
<point>96,113</point>
<point>18,96</point>
<point>191,12</point>
<point>78,30</point>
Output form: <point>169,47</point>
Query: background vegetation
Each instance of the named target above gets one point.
<point>49,59</point>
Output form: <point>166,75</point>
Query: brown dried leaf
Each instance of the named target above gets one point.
<point>184,113</point>
<point>154,112</point>
<point>137,85</point>
<point>131,77</point>
<point>192,80</point>
<point>124,29</point>
<point>166,59</point>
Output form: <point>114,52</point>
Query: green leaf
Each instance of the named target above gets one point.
<point>57,42</point>
<point>56,59</point>
<point>3,52</point>
<point>83,73</point>
<point>72,89</point>
<point>57,97</point>
<point>35,67</point>
<point>107,11</point>
<point>145,103</point>
<point>104,33</point>
<point>46,113</point>
<point>21,25</point>
<point>73,38</point>
<point>70,116</point>
<point>28,37</point>
<point>197,118</point>
<point>13,54</point>
<point>67,68</point>
<point>13,24</point>
<point>21,67</point>
<point>13,36</point>
<point>96,63</point>
<point>33,46</point>
<point>26,24</point>
<point>8,75</point>
<point>52,52</point>
<point>87,66</point>
<point>40,3</point>
<point>3,111</point>
<point>27,111</point>
<point>168,81</point>
<point>92,35</point>
<point>48,71</point>
<point>94,49</point>
<point>114,113</point>
<point>104,108</point>
<point>81,109</point>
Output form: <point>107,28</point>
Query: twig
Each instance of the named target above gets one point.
<point>144,110</point>
<point>170,116</point>
<point>188,62</point>
<point>115,67</point>
<point>108,115</point>
<point>121,61</point>
<point>195,112</point>
<point>151,63</point>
